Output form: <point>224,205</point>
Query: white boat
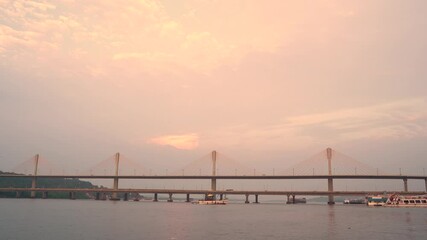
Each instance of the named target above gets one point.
<point>210,200</point>
<point>406,201</point>
<point>354,201</point>
<point>376,201</point>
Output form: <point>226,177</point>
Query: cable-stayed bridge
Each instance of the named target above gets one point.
<point>328,164</point>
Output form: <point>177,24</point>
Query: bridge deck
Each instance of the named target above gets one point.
<point>189,191</point>
<point>223,176</point>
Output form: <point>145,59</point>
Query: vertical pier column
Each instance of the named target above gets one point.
<point>18,194</point>
<point>72,195</point>
<point>330,180</point>
<point>170,198</point>
<point>405,184</point>
<point>221,196</point>
<point>188,198</point>
<point>116,179</point>
<point>125,196</point>
<point>213,180</point>
<point>44,195</point>
<point>247,198</point>
<point>293,199</point>
<point>155,198</point>
<point>287,199</point>
<point>34,181</point>
<point>256,198</point>
<point>97,197</point>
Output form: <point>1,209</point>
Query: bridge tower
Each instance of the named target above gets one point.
<point>34,182</point>
<point>213,181</point>
<point>330,180</point>
<point>116,179</point>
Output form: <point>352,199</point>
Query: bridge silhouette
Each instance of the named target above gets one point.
<point>328,165</point>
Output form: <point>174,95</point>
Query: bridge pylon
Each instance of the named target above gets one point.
<point>116,179</point>
<point>213,181</point>
<point>34,181</point>
<point>330,180</point>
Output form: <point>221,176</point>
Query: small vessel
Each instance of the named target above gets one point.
<point>354,201</point>
<point>211,200</point>
<point>376,201</point>
<point>296,200</point>
<point>406,201</point>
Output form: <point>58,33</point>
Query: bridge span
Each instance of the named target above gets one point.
<point>330,177</point>
<point>290,194</point>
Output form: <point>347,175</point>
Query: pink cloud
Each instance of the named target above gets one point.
<point>185,141</point>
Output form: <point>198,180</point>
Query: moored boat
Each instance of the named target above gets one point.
<point>376,201</point>
<point>406,201</point>
<point>211,200</point>
<point>354,201</point>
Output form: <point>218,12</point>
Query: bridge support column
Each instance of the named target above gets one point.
<point>44,195</point>
<point>72,195</point>
<point>34,181</point>
<point>97,196</point>
<point>247,198</point>
<point>18,194</point>
<point>221,196</point>
<point>256,198</point>
<point>287,199</point>
<point>188,198</point>
<point>116,179</point>
<point>330,180</point>
<point>405,184</point>
<point>155,198</point>
<point>293,199</point>
<point>170,198</point>
<point>125,196</point>
<point>213,180</point>
<point>330,189</point>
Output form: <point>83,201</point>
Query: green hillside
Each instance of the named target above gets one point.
<point>45,183</point>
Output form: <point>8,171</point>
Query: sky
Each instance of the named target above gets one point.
<point>266,83</point>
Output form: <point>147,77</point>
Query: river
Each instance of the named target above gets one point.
<point>39,219</point>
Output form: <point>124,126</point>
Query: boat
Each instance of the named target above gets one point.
<point>354,201</point>
<point>396,200</point>
<point>376,201</point>
<point>296,200</point>
<point>211,200</point>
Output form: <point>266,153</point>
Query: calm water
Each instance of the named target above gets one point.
<point>89,219</point>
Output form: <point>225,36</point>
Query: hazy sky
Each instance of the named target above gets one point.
<point>268,83</point>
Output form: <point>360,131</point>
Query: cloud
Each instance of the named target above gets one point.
<point>403,119</point>
<point>184,142</point>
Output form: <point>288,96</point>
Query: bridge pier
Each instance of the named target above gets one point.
<point>213,180</point>
<point>34,181</point>
<point>155,198</point>
<point>405,184</point>
<point>125,196</point>
<point>221,196</point>
<point>330,189</point>
<point>247,198</point>
<point>18,194</point>
<point>72,195</point>
<point>256,198</point>
<point>188,198</point>
<point>330,180</point>
<point>116,179</point>
<point>170,198</point>
<point>97,196</point>
<point>44,195</point>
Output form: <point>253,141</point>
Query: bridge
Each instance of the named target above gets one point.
<point>213,177</point>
